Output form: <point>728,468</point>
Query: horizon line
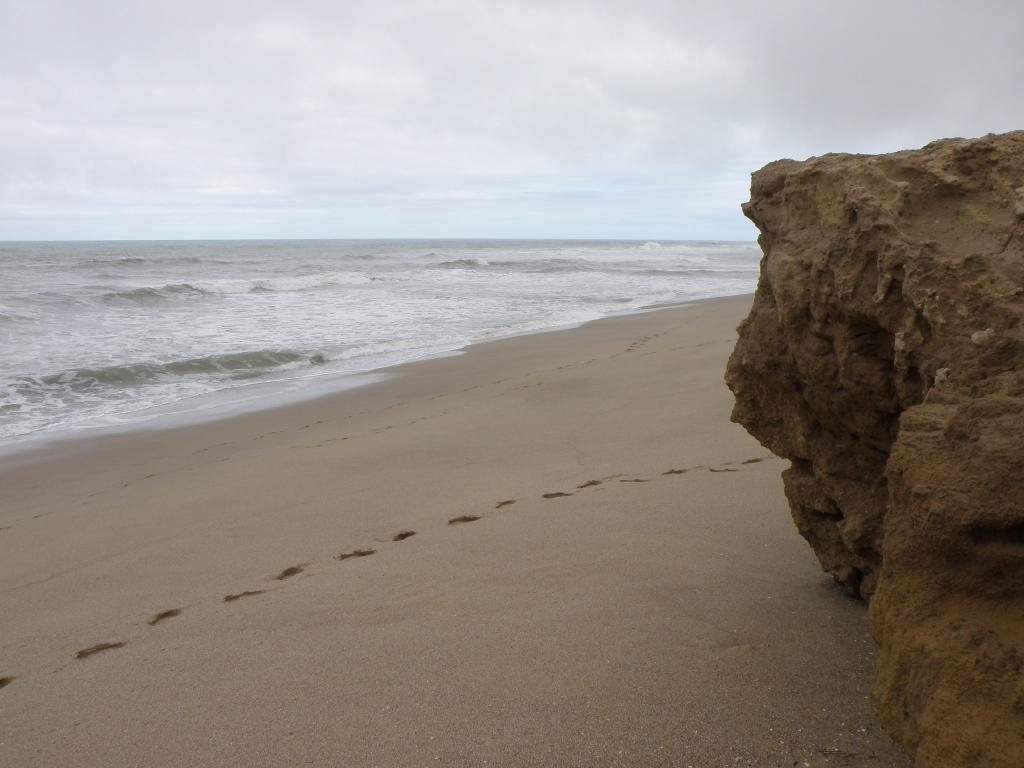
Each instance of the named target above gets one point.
<point>384,239</point>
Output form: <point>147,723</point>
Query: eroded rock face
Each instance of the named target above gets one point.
<point>884,356</point>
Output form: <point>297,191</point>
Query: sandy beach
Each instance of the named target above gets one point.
<point>626,588</point>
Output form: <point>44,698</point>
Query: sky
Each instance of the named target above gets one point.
<point>465,118</point>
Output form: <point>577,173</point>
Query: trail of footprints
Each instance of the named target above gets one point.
<point>591,483</point>
<point>299,568</point>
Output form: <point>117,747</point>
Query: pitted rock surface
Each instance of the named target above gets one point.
<point>884,357</point>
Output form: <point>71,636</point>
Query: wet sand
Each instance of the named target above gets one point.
<point>552,550</point>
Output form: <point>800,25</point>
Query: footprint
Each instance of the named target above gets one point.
<point>555,495</point>
<point>291,570</point>
<point>240,595</point>
<point>752,461</point>
<point>590,483</point>
<point>723,469</point>
<point>86,652</point>
<point>463,519</point>
<point>504,503</point>
<point>5,681</point>
<point>676,472</point>
<point>402,535</point>
<point>633,480</point>
<point>355,553</point>
<point>158,617</point>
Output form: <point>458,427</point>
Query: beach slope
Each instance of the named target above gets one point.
<point>550,550</point>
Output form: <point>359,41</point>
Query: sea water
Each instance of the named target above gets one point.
<point>110,333</point>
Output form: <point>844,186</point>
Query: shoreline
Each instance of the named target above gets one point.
<point>187,331</point>
<point>34,446</point>
<point>601,570</point>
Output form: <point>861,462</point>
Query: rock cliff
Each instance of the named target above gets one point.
<point>884,357</point>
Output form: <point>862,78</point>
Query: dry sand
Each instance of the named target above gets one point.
<point>645,601</point>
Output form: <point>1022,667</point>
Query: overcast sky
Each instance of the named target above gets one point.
<point>452,118</point>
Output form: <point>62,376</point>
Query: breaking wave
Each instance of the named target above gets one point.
<point>147,293</point>
<point>231,365</point>
<point>519,265</point>
<point>230,286</point>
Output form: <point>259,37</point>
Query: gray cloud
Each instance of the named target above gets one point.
<point>458,118</point>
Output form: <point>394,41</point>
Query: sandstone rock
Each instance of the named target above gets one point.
<point>884,357</point>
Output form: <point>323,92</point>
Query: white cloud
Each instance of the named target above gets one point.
<point>462,118</point>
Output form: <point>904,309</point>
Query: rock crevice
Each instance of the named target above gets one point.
<point>883,357</point>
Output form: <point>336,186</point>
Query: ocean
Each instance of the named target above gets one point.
<point>117,334</point>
